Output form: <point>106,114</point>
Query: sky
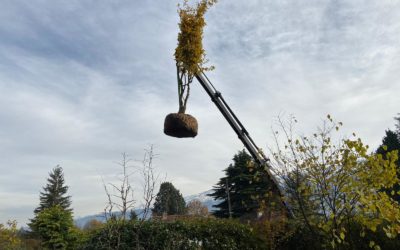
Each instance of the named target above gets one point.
<point>82,81</point>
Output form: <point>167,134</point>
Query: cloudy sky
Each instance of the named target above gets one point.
<point>82,81</point>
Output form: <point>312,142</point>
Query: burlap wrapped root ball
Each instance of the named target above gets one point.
<point>180,125</point>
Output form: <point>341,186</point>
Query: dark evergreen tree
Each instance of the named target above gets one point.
<point>397,118</point>
<point>391,142</point>
<point>245,186</point>
<point>133,215</point>
<point>168,200</point>
<point>53,194</point>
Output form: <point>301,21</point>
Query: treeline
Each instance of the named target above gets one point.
<point>338,194</point>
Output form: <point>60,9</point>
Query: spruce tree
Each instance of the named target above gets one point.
<point>53,194</point>
<point>243,185</point>
<point>169,201</point>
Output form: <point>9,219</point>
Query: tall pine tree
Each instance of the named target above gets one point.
<point>169,201</point>
<point>53,194</point>
<point>241,188</point>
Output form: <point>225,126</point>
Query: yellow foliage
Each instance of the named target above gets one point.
<point>8,236</point>
<point>341,181</point>
<point>189,54</point>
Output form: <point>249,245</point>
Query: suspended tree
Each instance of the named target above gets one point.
<point>190,59</point>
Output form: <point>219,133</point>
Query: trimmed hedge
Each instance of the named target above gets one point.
<point>180,234</point>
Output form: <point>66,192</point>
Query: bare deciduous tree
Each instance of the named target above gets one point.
<point>121,195</point>
<point>150,180</point>
<point>196,208</point>
<point>123,192</point>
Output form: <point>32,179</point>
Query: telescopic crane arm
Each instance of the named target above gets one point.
<point>240,130</point>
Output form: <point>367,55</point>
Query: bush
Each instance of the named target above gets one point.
<point>180,234</point>
<point>55,228</point>
<point>301,238</point>
<point>9,236</point>
<point>379,238</point>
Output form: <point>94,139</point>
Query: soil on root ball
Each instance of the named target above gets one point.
<point>180,125</point>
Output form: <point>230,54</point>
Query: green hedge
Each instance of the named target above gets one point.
<point>180,234</point>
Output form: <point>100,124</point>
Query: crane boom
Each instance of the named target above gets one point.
<point>240,131</point>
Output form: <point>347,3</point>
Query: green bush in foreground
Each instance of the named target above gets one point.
<point>180,234</point>
<point>55,228</point>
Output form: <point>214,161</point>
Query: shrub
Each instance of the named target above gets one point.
<point>9,235</point>
<point>180,234</point>
<point>55,228</point>
<point>356,239</point>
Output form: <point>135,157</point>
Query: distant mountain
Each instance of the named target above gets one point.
<point>81,221</point>
<point>206,200</point>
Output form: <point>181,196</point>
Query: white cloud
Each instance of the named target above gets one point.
<point>83,81</point>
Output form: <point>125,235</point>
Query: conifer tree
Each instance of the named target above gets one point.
<point>169,201</point>
<point>53,194</point>
<point>391,142</point>
<point>397,118</point>
<point>54,226</point>
<point>240,189</point>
